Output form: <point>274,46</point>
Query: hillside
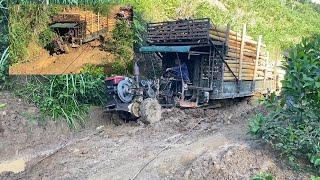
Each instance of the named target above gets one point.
<point>282,23</point>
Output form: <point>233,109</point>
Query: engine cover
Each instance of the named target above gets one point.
<point>124,90</point>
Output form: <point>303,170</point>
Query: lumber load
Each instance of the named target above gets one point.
<point>247,59</point>
<point>95,21</point>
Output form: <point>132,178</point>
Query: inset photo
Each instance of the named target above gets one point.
<point>60,39</point>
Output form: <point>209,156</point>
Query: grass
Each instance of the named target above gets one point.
<point>2,106</point>
<point>65,97</point>
<point>3,41</point>
<point>4,65</point>
<point>292,122</point>
<point>29,23</point>
<point>262,176</point>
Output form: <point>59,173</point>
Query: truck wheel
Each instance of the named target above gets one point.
<point>150,110</point>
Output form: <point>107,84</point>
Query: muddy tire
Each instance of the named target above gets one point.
<point>65,49</point>
<point>150,111</point>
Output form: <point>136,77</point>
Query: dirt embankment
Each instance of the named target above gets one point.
<point>194,144</point>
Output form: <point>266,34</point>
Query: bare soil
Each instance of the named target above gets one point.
<point>73,62</point>
<point>194,144</point>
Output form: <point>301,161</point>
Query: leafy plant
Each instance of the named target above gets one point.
<point>293,123</point>
<point>121,45</point>
<point>65,96</point>
<point>315,160</point>
<point>93,70</point>
<point>262,176</point>
<point>256,123</point>
<point>4,55</point>
<point>45,37</point>
<point>315,178</point>
<point>4,65</point>
<point>2,106</point>
<point>29,22</point>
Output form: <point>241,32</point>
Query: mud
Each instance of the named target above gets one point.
<point>198,143</point>
<point>70,63</point>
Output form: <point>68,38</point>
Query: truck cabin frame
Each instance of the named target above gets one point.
<point>69,27</point>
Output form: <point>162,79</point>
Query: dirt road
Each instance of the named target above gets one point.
<point>194,144</point>
<point>70,63</point>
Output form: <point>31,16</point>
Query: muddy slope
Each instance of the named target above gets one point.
<point>70,63</point>
<point>194,144</point>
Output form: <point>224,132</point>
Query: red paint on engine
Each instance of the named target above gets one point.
<point>115,79</point>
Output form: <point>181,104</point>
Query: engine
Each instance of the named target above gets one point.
<point>133,96</point>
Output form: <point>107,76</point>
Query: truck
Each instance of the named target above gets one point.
<point>201,63</point>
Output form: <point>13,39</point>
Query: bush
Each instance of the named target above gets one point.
<point>293,124</point>
<point>262,176</point>
<point>4,65</point>
<point>45,37</point>
<point>28,22</point>
<point>121,45</point>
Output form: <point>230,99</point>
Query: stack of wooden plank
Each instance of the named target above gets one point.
<point>248,59</point>
<point>95,21</point>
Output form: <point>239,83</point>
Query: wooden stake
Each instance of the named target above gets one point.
<point>98,21</point>
<point>275,73</point>
<point>265,72</point>
<point>257,58</point>
<point>226,46</point>
<point>91,22</point>
<point>241,49</point>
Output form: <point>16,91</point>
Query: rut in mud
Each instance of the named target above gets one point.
<point>202,144</point>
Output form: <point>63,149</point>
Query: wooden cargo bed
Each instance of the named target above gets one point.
<point>236,66</point>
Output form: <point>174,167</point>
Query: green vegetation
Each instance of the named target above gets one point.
<point>29,23</point>
<point>315,177</point>
<point>2,106</point>
<point>121,44</point>
<point>262,176</point>
<point>3,41</point>
<point>64,96</point>
<point>293,122</point>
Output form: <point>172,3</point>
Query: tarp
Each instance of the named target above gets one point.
<point>185,49</point>
<point>64,25</point>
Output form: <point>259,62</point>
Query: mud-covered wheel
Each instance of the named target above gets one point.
<point>65,49</point>
<point>150,110</point>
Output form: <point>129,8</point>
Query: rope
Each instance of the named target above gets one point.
<point>75,59</point>
<point>165,148</point>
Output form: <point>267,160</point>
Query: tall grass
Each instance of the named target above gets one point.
<point>4,55</point>
<point>29,23</point>
<point>65,97</point>
<point>4,65</point>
